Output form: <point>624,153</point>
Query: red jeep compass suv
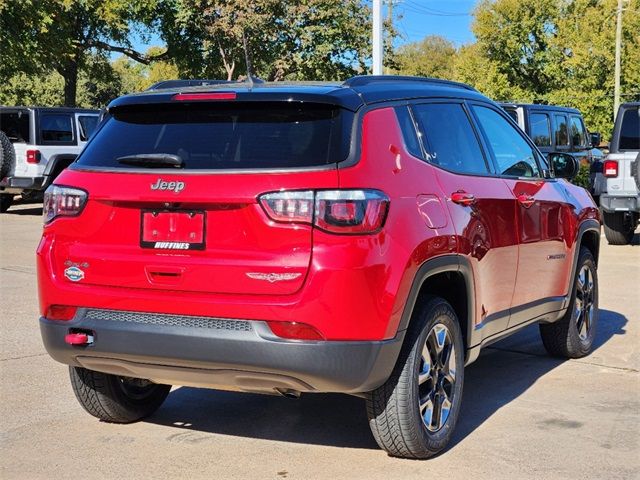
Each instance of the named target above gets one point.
<point>366,237</point>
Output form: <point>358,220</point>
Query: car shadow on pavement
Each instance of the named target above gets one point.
<point>503,372</point>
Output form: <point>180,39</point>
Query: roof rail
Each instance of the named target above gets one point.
<point>361,80</point>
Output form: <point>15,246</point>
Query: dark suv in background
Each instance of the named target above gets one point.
<point>367,237</point>
<point>556,129</point>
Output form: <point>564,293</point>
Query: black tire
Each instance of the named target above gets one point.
<point>636,171</point>
<point>395,409</point>
<point>618,227</point>
<point>116,399</point>
<point>568,337</point>
<point>7,156</point>
<point>6,201</point>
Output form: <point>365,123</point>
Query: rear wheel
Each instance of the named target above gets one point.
<point>5,202</point>
<point>116,399</point>
<point>414,413</point>
<point>618,227</point>
<point>573,335</point>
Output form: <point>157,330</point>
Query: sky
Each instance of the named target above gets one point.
<point>414,19</point>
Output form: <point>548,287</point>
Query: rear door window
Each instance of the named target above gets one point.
<point>561,131</point>
<point>514,156</point>
<point>578,132</point>
<point>87,124</point>
<point>56,128</point>
<point>630,130</point>
<point>224,135</point>
<point>15,125</point>
<point>540,129</point>
<point>450,141</point>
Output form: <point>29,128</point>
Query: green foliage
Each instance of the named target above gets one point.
<point>431,57</point>
<point>582,178</point>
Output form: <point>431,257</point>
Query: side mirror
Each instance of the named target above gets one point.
<point>596,138</point>
<point>563,165</point>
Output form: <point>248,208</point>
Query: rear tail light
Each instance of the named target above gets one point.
<point>33,156</point>
<point>60,312</point>
<point>295,331</point>
<point>610,168</point>
<point>63,202</point>
<point>335,211</point>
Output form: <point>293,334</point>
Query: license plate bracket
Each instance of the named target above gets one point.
<point>172,229</point>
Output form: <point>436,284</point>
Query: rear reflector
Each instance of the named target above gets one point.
<point>188,97</point>
<point>61,312</point>
<point>33,156</point>
<point>295,331</point>
<point>610,168</point>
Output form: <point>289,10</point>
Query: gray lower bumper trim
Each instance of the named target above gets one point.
<point>612,203</point>
<point>180,353</point>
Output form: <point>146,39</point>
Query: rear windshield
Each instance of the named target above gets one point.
<point>15,126</point>
<point>224,136</point>
<point>630,130</point>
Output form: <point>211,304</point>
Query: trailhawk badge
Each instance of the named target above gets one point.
<point>74,274</point>
<point>273,277</point>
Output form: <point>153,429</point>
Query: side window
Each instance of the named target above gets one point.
<point>562,134</point>
<point>449,138</point>
<point>88,124</point>
<point>514,156</point>
<point>512,113</point>
<point>540,129</point>
<point>56,128</point>
<point>578,134</point>
<point>409,134</point>
<point>630,130</point>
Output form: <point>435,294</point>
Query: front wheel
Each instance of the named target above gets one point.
<point>572,336</point>
<point>116,399</point>
<point>413,414</point>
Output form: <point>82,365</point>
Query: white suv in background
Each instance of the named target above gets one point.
<point>37,143</point>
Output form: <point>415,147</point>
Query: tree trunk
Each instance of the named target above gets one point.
<point>70,74</point>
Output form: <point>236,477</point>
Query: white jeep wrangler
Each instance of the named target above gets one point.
<point>36,144</point>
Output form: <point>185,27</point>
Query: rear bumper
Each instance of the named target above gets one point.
<point>19,184</point>
<point>219,353</point>
<point>613,203</point>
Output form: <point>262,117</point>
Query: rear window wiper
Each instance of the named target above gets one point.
<point>153,160</point>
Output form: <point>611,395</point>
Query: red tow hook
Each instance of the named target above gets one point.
<point>78,339</point>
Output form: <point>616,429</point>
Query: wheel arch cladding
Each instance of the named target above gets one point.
<point>449,277</point>
<point>590,238</point>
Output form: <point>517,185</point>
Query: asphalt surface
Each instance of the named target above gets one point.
<point>525,415</point>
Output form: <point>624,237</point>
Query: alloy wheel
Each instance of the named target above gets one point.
<point>437,378</point>
<point>584,302</point>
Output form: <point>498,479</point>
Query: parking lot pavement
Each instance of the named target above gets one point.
<point>525,415</point>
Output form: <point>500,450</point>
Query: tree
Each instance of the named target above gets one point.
<point>39,35</point>
<point>309,39</point>
<point>431,57</point>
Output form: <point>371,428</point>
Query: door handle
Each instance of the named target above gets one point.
<point>463,198</point>
<point>526,200</point>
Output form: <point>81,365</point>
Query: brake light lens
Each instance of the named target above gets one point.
<point>295,331</point>
<point>186,97</point>
<point>334,211</point>
<point>33,156</point>
<point>290,207</point>
<point>63,202</point>
<point>61,312</point>
<point>351,211</point>
<point>610,168</point>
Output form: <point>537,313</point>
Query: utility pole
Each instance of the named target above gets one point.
<point>616,89</point>
<point>387,70</point>
<point>377,37</point>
